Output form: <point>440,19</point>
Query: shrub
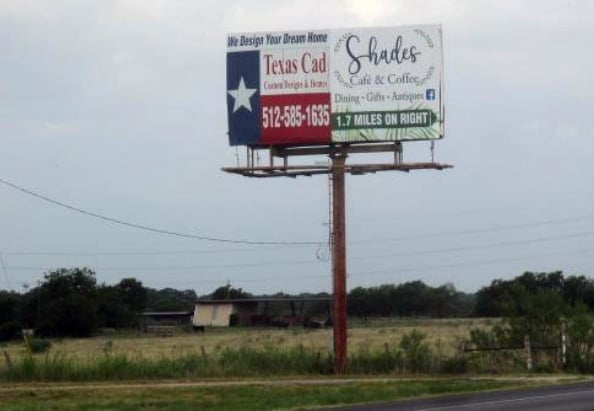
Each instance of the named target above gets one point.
<point>417,354</point>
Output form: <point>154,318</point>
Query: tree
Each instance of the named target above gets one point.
<point>503,297</point>
<point>539,316</point>
<point>118,306</point>
<point>64,304</point>
<point>413,298</point>
<point>359,302</point>
<point>169,299</point>
<point>229,293</point>
<point>132,294</point>
<point>112,311</point>
<point>9,324</point>
<point>409,299</point>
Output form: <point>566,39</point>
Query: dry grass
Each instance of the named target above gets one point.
<point>442,335</point>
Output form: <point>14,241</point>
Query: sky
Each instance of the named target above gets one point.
<point>119,108</point>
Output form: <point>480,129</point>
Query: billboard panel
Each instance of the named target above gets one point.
<point>323,87</point>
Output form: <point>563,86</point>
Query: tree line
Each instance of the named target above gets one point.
<point>507,297</point>
<point>70,302</point>
<point>413,298</point>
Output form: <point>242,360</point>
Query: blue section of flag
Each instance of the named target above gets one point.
<point>244,124</point>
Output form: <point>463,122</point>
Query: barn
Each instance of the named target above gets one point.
<point>224,313</point>
<point>253,311</point>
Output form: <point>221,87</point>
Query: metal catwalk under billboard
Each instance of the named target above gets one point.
<point>334,86</point>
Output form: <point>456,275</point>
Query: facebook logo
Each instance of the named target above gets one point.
<point>430,94</point>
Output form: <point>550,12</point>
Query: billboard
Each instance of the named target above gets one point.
<point>333,86</point>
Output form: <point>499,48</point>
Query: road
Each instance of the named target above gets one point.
<point>571,397</point>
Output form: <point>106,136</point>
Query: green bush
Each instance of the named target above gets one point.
<point>417,354</point>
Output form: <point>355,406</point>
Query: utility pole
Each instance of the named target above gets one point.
<point>339,261</point>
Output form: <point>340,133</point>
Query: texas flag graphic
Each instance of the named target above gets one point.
<point>243,97</point>
<point>278,97</point>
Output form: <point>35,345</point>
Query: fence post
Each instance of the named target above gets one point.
<point>8,360</point>
<point>563,343</point>
<point>528,352</point>
<point>204,357</point>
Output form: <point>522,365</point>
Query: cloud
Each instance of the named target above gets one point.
<point>370,12</point>
<point>119,105</point>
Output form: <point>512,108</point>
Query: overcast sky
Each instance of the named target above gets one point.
<point>119,108</point>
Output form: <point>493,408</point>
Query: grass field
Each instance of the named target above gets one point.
<point>375,348</point>
<point>442,335</point>
<point>227,397</point>
<point>133,372</point>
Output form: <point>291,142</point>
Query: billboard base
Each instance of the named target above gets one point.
<point>283,169</point>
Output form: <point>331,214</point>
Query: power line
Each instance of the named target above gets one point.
<point>394,271</point>
<point>316,261</point>
<point>482,230</point>
<point>429,235</point>
<point>367,272</point>
<point>137,253</point>
<point>468,263</point>
<point>417,269</point>
<point>191,267</point>
<point>444,213</point>
<point>482,246</point>
<point>252,242</point>
<point>147,228</point>
<point>388,271</point>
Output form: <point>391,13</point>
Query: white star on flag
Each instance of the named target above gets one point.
<point>242,96</point>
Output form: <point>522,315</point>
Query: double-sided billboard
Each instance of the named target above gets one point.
<point>333,86</point>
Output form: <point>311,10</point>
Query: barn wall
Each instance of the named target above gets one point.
<point>213,315</point>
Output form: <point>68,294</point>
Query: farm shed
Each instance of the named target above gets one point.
<point>224,313</point>
<point>254,311</point>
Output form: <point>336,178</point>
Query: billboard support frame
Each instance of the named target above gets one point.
<point>286,170</point>
<point>337,169</point>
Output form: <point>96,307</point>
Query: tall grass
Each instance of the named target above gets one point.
<point>229,363</point>
<point>410,355</point>
<point>59,367</point>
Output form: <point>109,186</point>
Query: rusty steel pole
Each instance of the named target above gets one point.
<point>339,263</point>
